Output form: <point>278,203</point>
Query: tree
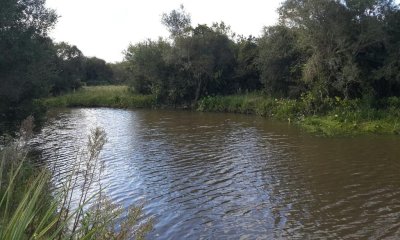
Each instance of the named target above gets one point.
<point>345,40</point>
<point>148,67</point>
<point>120,72</point>
<point>199,61</point>
<point>70,64</point>
<point>204,62</point>
<point>97,71</point>
<point>247,74</point>
<point>386,80</point>
<point>177,21</point>
<point>27,55</point>
<point>280,61</point>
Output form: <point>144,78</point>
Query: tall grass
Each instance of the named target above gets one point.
<point>30,207</point>
<point>25,212</point>
<point>102,96</point>
<point>331,116</point>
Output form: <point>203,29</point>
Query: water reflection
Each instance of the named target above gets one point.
<point>220,176</point>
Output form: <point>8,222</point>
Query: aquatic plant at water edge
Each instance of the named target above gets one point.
<point>31,208</point>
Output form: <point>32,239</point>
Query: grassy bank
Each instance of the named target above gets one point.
<point>101,96</point>
<point>326,117</point>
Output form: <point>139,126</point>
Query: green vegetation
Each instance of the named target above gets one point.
<point>27,56</point>
<point>33,66</point>
<point>323,48</point>
<point>29,210</point>
<point>331,116</point>
<point>335,116</point>
<point>330,66</point>
<point>320,51</point>
<point>333,66</point>
<point>101,96</point>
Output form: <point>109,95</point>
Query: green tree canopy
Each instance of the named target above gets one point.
<point>27,55</point>
<point>280,61</point>
<point>70,65</point>
<point>345,40</point>
<point>97,71</point>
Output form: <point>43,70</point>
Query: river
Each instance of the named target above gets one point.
<point>227,176</point>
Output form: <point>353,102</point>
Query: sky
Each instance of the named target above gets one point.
<point>105,28</point>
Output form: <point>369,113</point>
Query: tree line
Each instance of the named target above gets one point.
<point>318,49</point>
<point>32,65</point>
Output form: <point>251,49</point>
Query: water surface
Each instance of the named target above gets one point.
<point>226,176</point>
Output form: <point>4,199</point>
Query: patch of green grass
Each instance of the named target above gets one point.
<point>330,126</point>
<point>253,103</point>
<point>102,96</point>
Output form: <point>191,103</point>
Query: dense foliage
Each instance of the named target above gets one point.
<point>97,71</point>
<point>319,49</point>
<point>70,66</point>
<point>26,54</point>
<point>197,61</point>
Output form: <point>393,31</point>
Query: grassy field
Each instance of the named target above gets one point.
<point>101,96</point>
<point>328,117</point>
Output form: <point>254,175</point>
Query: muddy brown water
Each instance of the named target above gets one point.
<point>227,176</point>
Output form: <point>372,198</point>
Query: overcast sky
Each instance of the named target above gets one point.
<point>104,28</point>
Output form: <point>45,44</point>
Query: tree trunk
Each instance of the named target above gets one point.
<point>198,91</point>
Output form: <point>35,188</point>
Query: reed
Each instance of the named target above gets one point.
<point>329,117</point>
<point>31,208</point>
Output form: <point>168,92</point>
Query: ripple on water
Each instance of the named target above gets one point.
<point>203,177</point>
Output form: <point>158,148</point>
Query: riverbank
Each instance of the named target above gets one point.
<point>329,117</point>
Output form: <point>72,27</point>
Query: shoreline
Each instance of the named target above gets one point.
<point>335,118</point>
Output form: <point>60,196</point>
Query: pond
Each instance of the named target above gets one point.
<point>224,176</point>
